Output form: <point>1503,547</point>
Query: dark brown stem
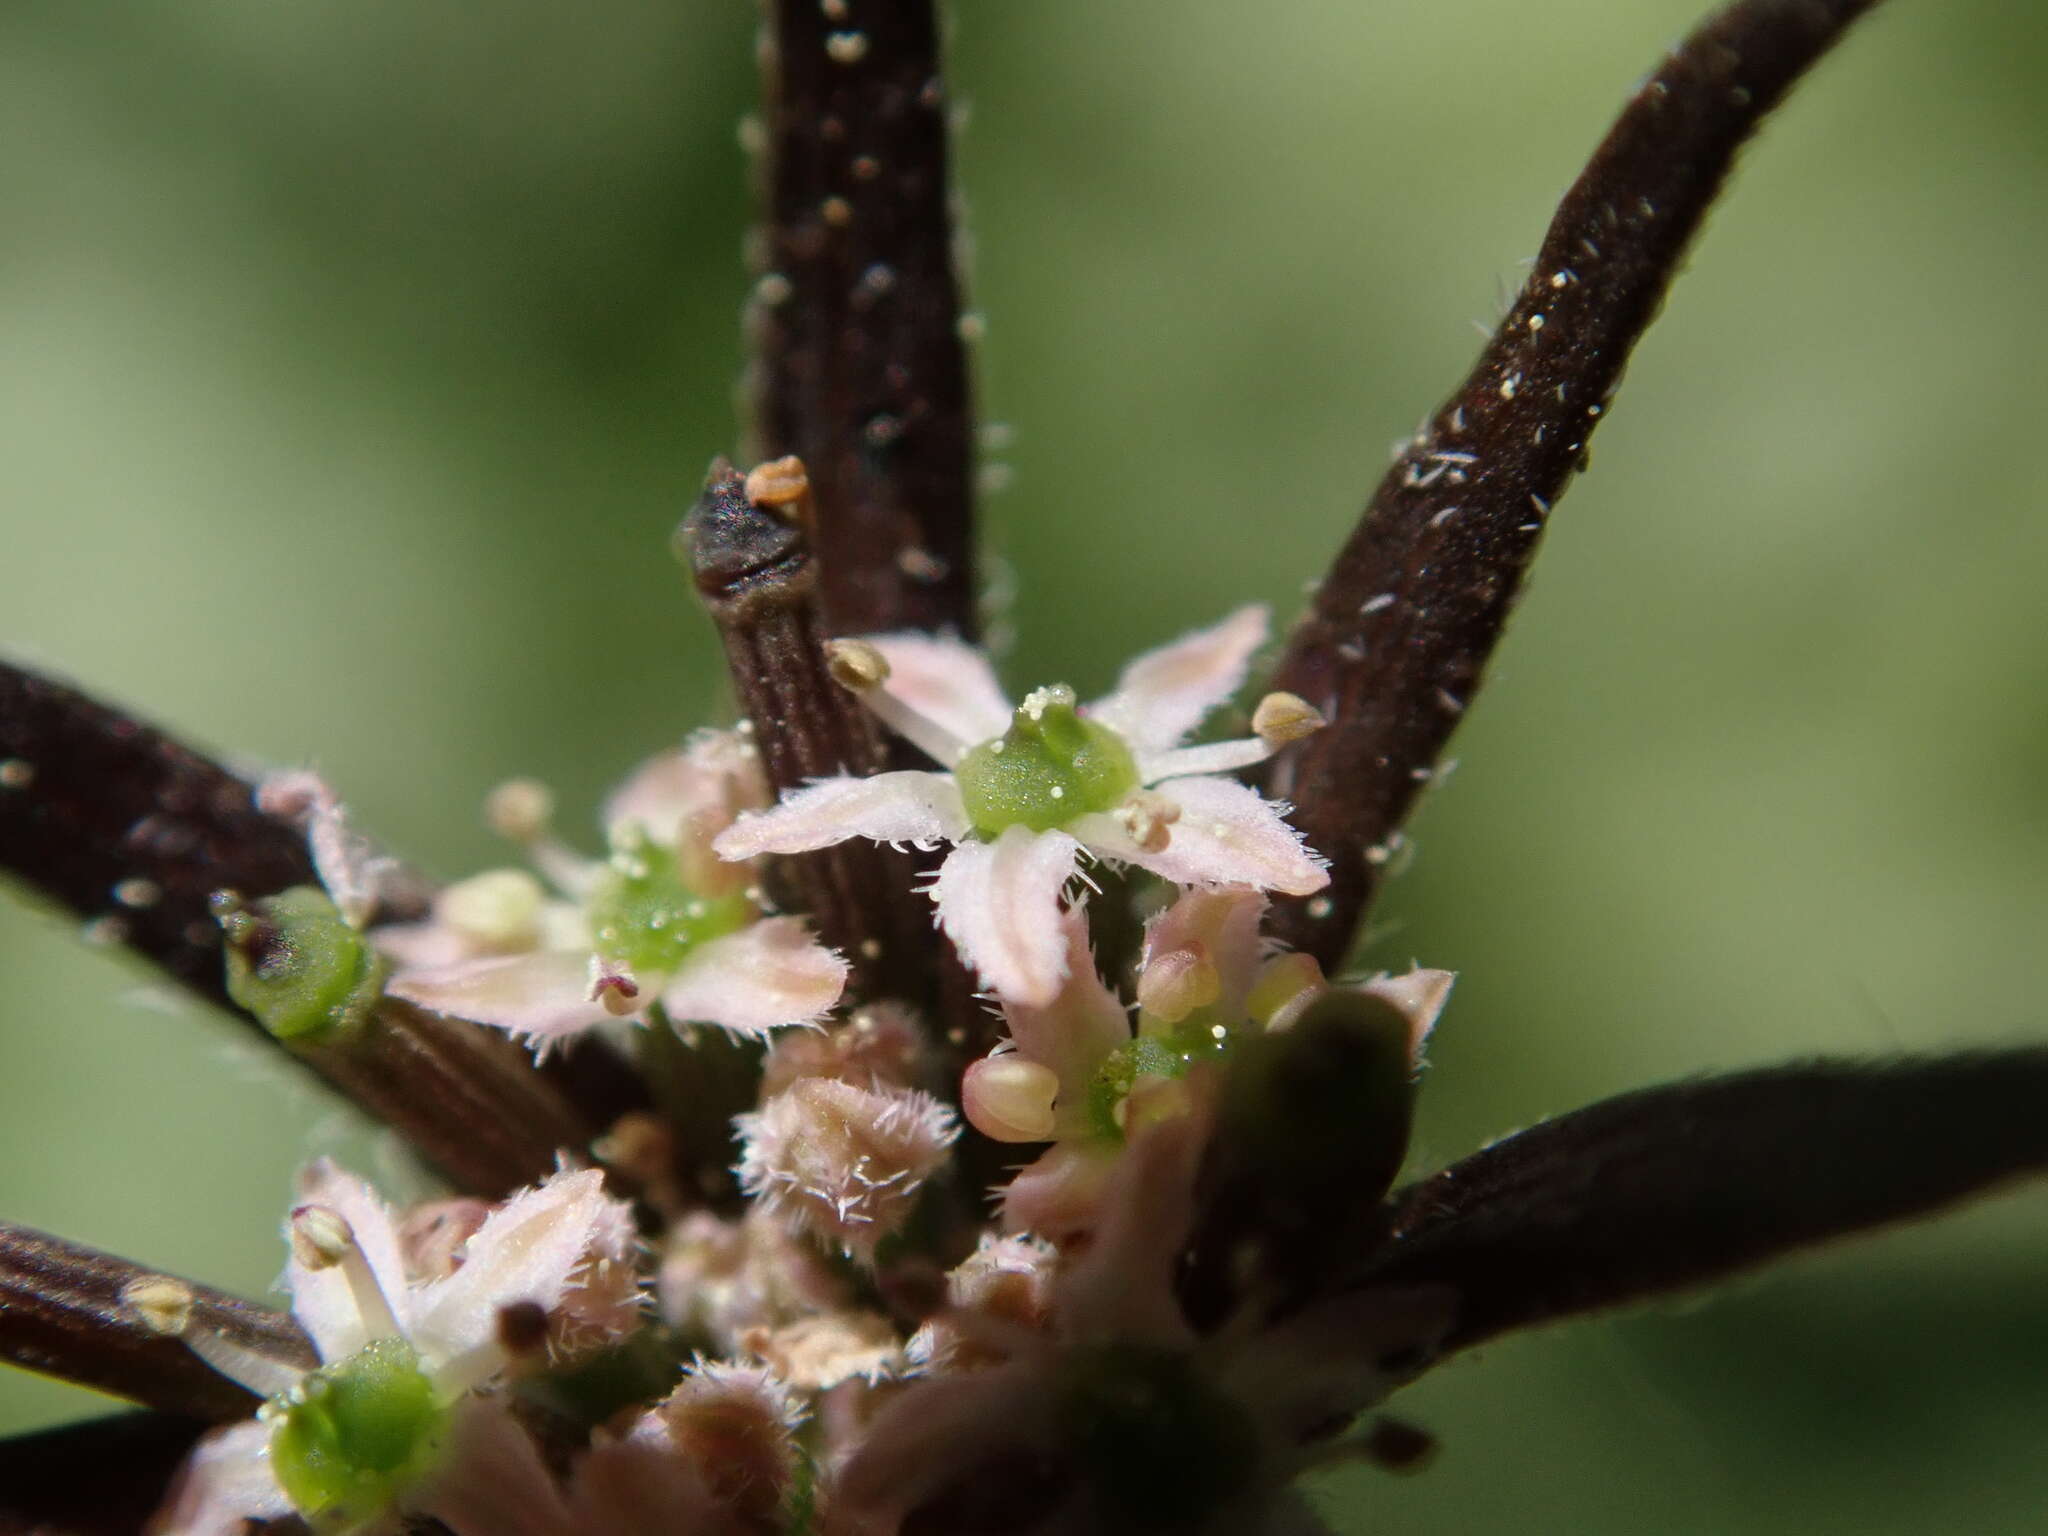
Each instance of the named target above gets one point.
<point>754,570</point>
<point>859,366</point>
<point>61,1313</point>
<point>104,1477</point>
<point>467,1098</point>
<point>135,832</point>
<point>1682,1185</point>
<point>131,830</point>
<point>1393,648</point>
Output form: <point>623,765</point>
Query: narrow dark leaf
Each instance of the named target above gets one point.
<point>102,1477</point>
<point>61,1313</point>
<point>1402,627</point>
<point>1682,1185</point>
<point>860,370</point>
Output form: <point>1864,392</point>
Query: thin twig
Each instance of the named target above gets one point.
<point>136,832</point>
<point>1677,1186</point>
<point>61,1313</point>
<point>859,366</point>
<point>1393,648</point>
<point>754,570</point>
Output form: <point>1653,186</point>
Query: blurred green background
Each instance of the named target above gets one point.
<point>356,360</point>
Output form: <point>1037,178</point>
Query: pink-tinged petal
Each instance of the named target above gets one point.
<point>768,975</point>
<point>544,996</point>
<point>420,946</point>
<point>641,1486</point>
<point>1165,693</point>
<point>974,1428</point>
<point>528,1249</point>
<point>1220,928</point>
<point>1059,1197</point>
<point>949,683</point>
<point>1226,835</point>
<point>684,799</point>
<point>906,807</point>
<point>492,1481</point>
<point>224,1485</point>
<point>1076,1030</point>
<point>321,1298</point>
<point>999,903</point>
<point>1121,1286</point>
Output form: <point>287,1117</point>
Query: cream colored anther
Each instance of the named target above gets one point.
<point>855,665</point>
<point>1284,717</point>
<point>162,1304</point>
<point>1148,818</point>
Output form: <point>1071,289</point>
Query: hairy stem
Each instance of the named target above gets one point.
<point>859,366</point>
<point>61,1313</point>
<point>1401,629</point>
<point>754,569</point>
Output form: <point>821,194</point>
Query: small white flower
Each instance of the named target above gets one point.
<point>663,920</point>
<point>383,1422</point>
<point>1024,792</point>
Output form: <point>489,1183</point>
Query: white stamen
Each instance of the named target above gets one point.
<point>321,1238</point>
<point>915,727</point>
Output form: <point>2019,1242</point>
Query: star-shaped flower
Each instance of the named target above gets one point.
<point>1025,792</point>
<point>661,921</point>
<point>376,1427</point>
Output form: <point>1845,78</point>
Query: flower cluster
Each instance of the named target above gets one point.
<point>434,1328</point>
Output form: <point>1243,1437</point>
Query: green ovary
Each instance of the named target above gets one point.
<point>1167,1055</point>
<point>298,967</point>
<point>642,914</point>
<point>349,1440</point>
<point>1049,767</point>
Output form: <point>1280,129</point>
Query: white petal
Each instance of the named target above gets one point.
<point>321,1299</point>
<point>999,903</point>
<point>767,975</point>
<point>226,1483</point>
<point>1226,835</point>
<point>1165,693</point>
<point>949,683</point>
<point>526,1250</point>
<point>684,799</point>
<point>905,807</point>
<point>544,996</point>
<point>420,946</point>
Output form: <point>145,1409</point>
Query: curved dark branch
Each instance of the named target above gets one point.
<point>134,832</point>
<point>859,366</point>
<point>1678,1186</point>
<point>1400,632</point>
<point>61,1314</point>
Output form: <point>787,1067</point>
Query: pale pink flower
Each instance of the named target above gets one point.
<point>548,1252</point>
<point>1066,1069</point>
<point>1023,793</point>
<point>662,921</point>
<point>1249,1398</point>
